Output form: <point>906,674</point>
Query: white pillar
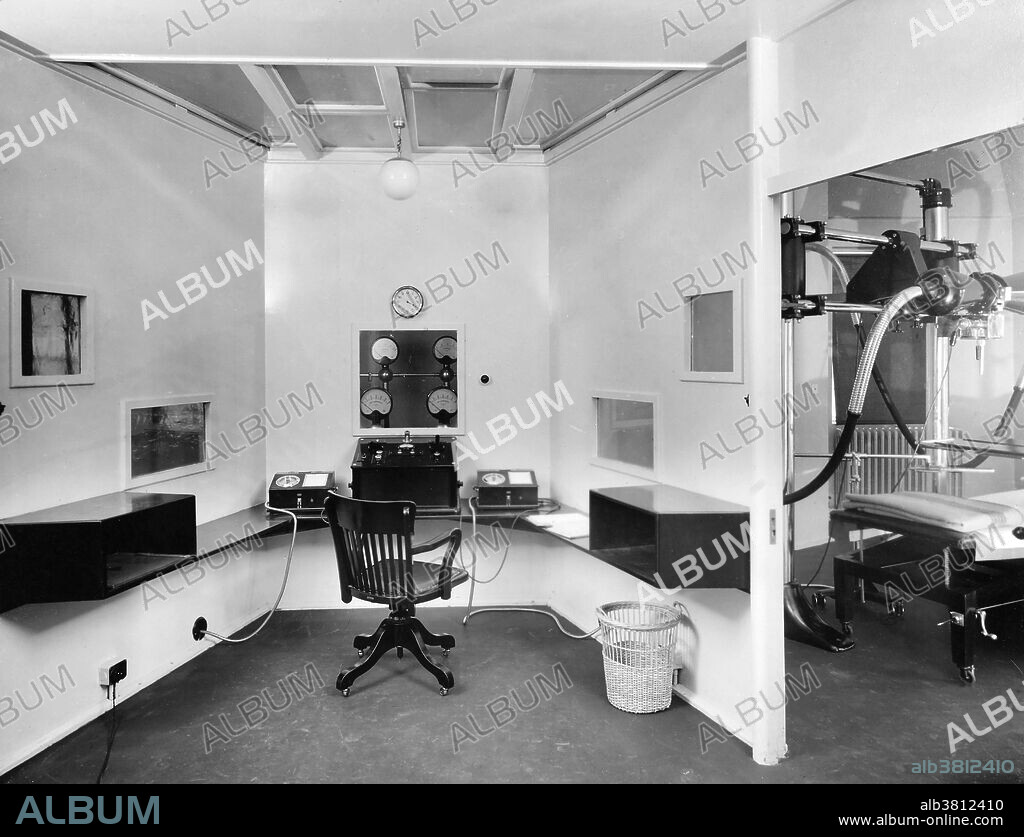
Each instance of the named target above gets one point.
<point>763,372</point>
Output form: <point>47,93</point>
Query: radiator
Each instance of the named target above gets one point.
<point>880,476</point>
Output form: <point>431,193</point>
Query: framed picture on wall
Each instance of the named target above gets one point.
<point>166,438</point>
<point>52,332</point>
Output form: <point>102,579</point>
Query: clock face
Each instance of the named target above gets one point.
<point>384,350</point>
<point>287,481</point>
<point>493,478</point>
<point>373,401</point>
<point>407,301</point>
<point>446,349</point>
<point>442,402</point>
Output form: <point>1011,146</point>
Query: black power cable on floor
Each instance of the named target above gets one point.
<point>111,734</point>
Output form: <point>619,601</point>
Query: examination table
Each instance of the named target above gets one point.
<point>967,554</point>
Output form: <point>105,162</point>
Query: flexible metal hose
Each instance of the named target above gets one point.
<point>876,373</point>
<point>859,392</point>
<point>878,330</point>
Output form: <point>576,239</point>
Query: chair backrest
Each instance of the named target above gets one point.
<point>373,545</point>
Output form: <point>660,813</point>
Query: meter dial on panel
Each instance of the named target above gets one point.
<point>446,349</point>
<point>375,404</point>
<point>384,350</point>
<point>446,353</point>
<point>442,404</point>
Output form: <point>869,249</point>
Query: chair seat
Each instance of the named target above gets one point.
<point>425,582</point>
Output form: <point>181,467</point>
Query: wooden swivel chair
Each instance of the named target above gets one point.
<point>373,543</point>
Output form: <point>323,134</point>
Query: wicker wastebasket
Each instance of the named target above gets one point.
<point>639,649</point>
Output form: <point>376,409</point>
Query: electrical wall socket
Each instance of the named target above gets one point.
<point>112,672</point>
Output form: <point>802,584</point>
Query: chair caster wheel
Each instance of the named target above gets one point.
<point>360,652</point>
<point>967,674</point>
<point>443,691</point>
<point>445,652</point>
<point>820,600</point>
<point>847,628</point>
<point>898,609</point>
<point>338,684</point>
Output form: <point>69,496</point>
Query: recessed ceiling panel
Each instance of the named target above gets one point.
<point>454,118</point>
<point>362,130</point>
<point>334,85</point>
<point>220,88</point>
<point>559,98</point>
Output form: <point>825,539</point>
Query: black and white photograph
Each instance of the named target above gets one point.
<point>512,392</point>
<point>51,334</point>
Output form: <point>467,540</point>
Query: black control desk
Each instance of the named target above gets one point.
<point>419,469</point>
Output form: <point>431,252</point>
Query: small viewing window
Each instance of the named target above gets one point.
<point>166,439</point>
<point>712,349</point>
<point>625,431</point>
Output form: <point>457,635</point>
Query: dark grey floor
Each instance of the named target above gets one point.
<point>880,707</point>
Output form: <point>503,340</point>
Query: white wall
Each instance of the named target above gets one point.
<point>628,216</point>
<point>880,97</point>
<point>116,201</point>
<point>337,249</point>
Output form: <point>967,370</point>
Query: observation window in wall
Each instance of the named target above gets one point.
<point>625,431</point>
<point>712,346</point>
<point>166,439</point>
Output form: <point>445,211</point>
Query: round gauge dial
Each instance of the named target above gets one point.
<point>287,481</point>
<point>407,301</point>
<point>442,403</point>
<point>446,349</point>
<point>493,479</point>
<point>373,401</point>
<point>384,350</point>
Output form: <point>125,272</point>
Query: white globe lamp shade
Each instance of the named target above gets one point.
<point>399,178</point>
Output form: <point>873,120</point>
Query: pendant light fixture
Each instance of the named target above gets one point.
<point>399,176</point>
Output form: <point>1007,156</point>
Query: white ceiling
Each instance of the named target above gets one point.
<point>459,74</point>
<point>659,34</point>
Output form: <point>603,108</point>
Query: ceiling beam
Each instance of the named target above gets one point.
<point>333,60</point>
<point>518,95</point>
<point>341,109</point>
<point>501,101</point>
<point>459,86</point>
<point>276,96</point>
<point>391,92</point>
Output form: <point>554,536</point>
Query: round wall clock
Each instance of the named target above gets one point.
<point>407,302</point>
